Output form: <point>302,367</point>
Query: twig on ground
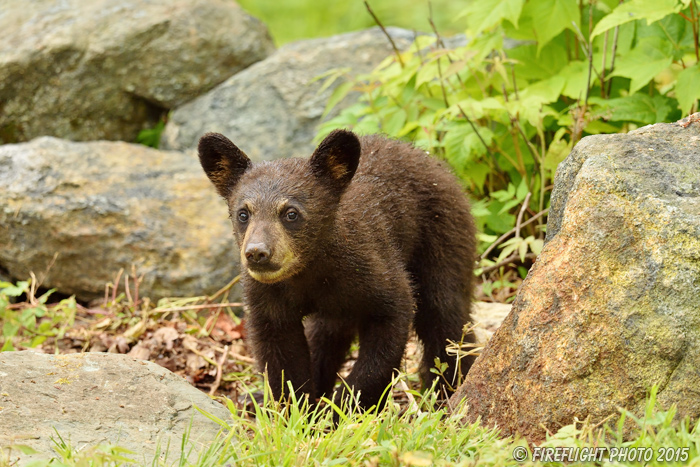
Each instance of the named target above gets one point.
<point>115,286</point>
<point>192,348</point>
<point>224,289</point>
<point>126,288</point>
<point>219,371</point>
<point>137,283</point>
<point>197,307</point>
<point>412,404</point>
<point>46,271</point>
<point>240,357</point>
<point>235,355</point>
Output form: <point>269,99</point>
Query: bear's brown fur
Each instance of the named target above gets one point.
<point>366,237</point>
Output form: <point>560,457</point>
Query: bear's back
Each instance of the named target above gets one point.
<point>402,193</point>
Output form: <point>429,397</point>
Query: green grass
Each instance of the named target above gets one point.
<point>290,20</point>
<point>295,436</point>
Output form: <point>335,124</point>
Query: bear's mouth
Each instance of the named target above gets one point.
<point>268,268</point>
<point>276,270</point>
<point>271,273</point>
<point>268,275</point>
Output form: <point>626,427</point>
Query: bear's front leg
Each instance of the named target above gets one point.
<point>282,352</point>
<point>383,337</point>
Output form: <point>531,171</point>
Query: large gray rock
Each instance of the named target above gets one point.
<point>102,206</point>
<point>273,108</point>
<point>610,308</point>
<point>100,398</point>
<point>105,69</point>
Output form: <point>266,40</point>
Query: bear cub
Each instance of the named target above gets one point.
<point>365,238</point>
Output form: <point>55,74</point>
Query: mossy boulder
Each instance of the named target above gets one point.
<point>612,305</point>
<point>101,206</point>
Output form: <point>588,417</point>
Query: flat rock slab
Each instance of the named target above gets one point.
<point>100,398</point>
<point>610,308</point>
<point>272,109</point>
<point>101,206</point>
<point>105,69</point>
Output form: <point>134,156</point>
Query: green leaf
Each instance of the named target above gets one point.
<point>151,137</point>
<point>664,106</point>
<point>522,249</point>
<point>28,318</point>
<point>484,14</point>
<point>46,296</point>
<point>556,152</point>
<point>24,449</point>
<point>428,72</point>
<point>338,95</point>
<point>522,190</point>
<point>545,91</point>
<point>330,77</point>
<point>597,127</point>
<point>576,75</point>
<point>537,65</point>
<point>477,108</point>
<point>551,17</point>
<point>499,223</point>
<point>533,99</point>
<point>638,108</point>
<point>641,64</point>
<point>7,346</point>
<point>651,10</point>
<point>688,87</point>
<point>394,121</point>
<point>10,329</point>
<point>16,291</point>
<point>536,246</point>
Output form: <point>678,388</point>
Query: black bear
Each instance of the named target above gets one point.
<point>364,238</point>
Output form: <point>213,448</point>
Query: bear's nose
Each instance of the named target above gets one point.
<point>258,253</point>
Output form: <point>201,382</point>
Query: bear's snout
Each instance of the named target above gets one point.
<point>258,253</point>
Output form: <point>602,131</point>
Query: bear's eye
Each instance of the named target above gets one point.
<point>243,216</point>
<point>291,215</point>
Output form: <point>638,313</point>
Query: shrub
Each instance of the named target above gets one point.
<point>506,107</point>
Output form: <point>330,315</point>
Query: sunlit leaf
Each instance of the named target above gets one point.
<point>650,10</point>
<point>651,56</point>
<point>16,290</point>
<point>551,17</point>
<point>484,14</point>
<point>688,87</point>
<point>338,95</point>
<point>638,108</point>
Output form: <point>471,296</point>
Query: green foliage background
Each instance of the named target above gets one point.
<point>290,20</point>
<point>536,76</point>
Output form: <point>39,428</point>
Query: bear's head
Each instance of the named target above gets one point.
<point>282,211</point>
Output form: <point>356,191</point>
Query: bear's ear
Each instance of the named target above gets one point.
<point>337,157</point>
<point>222,161</point>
